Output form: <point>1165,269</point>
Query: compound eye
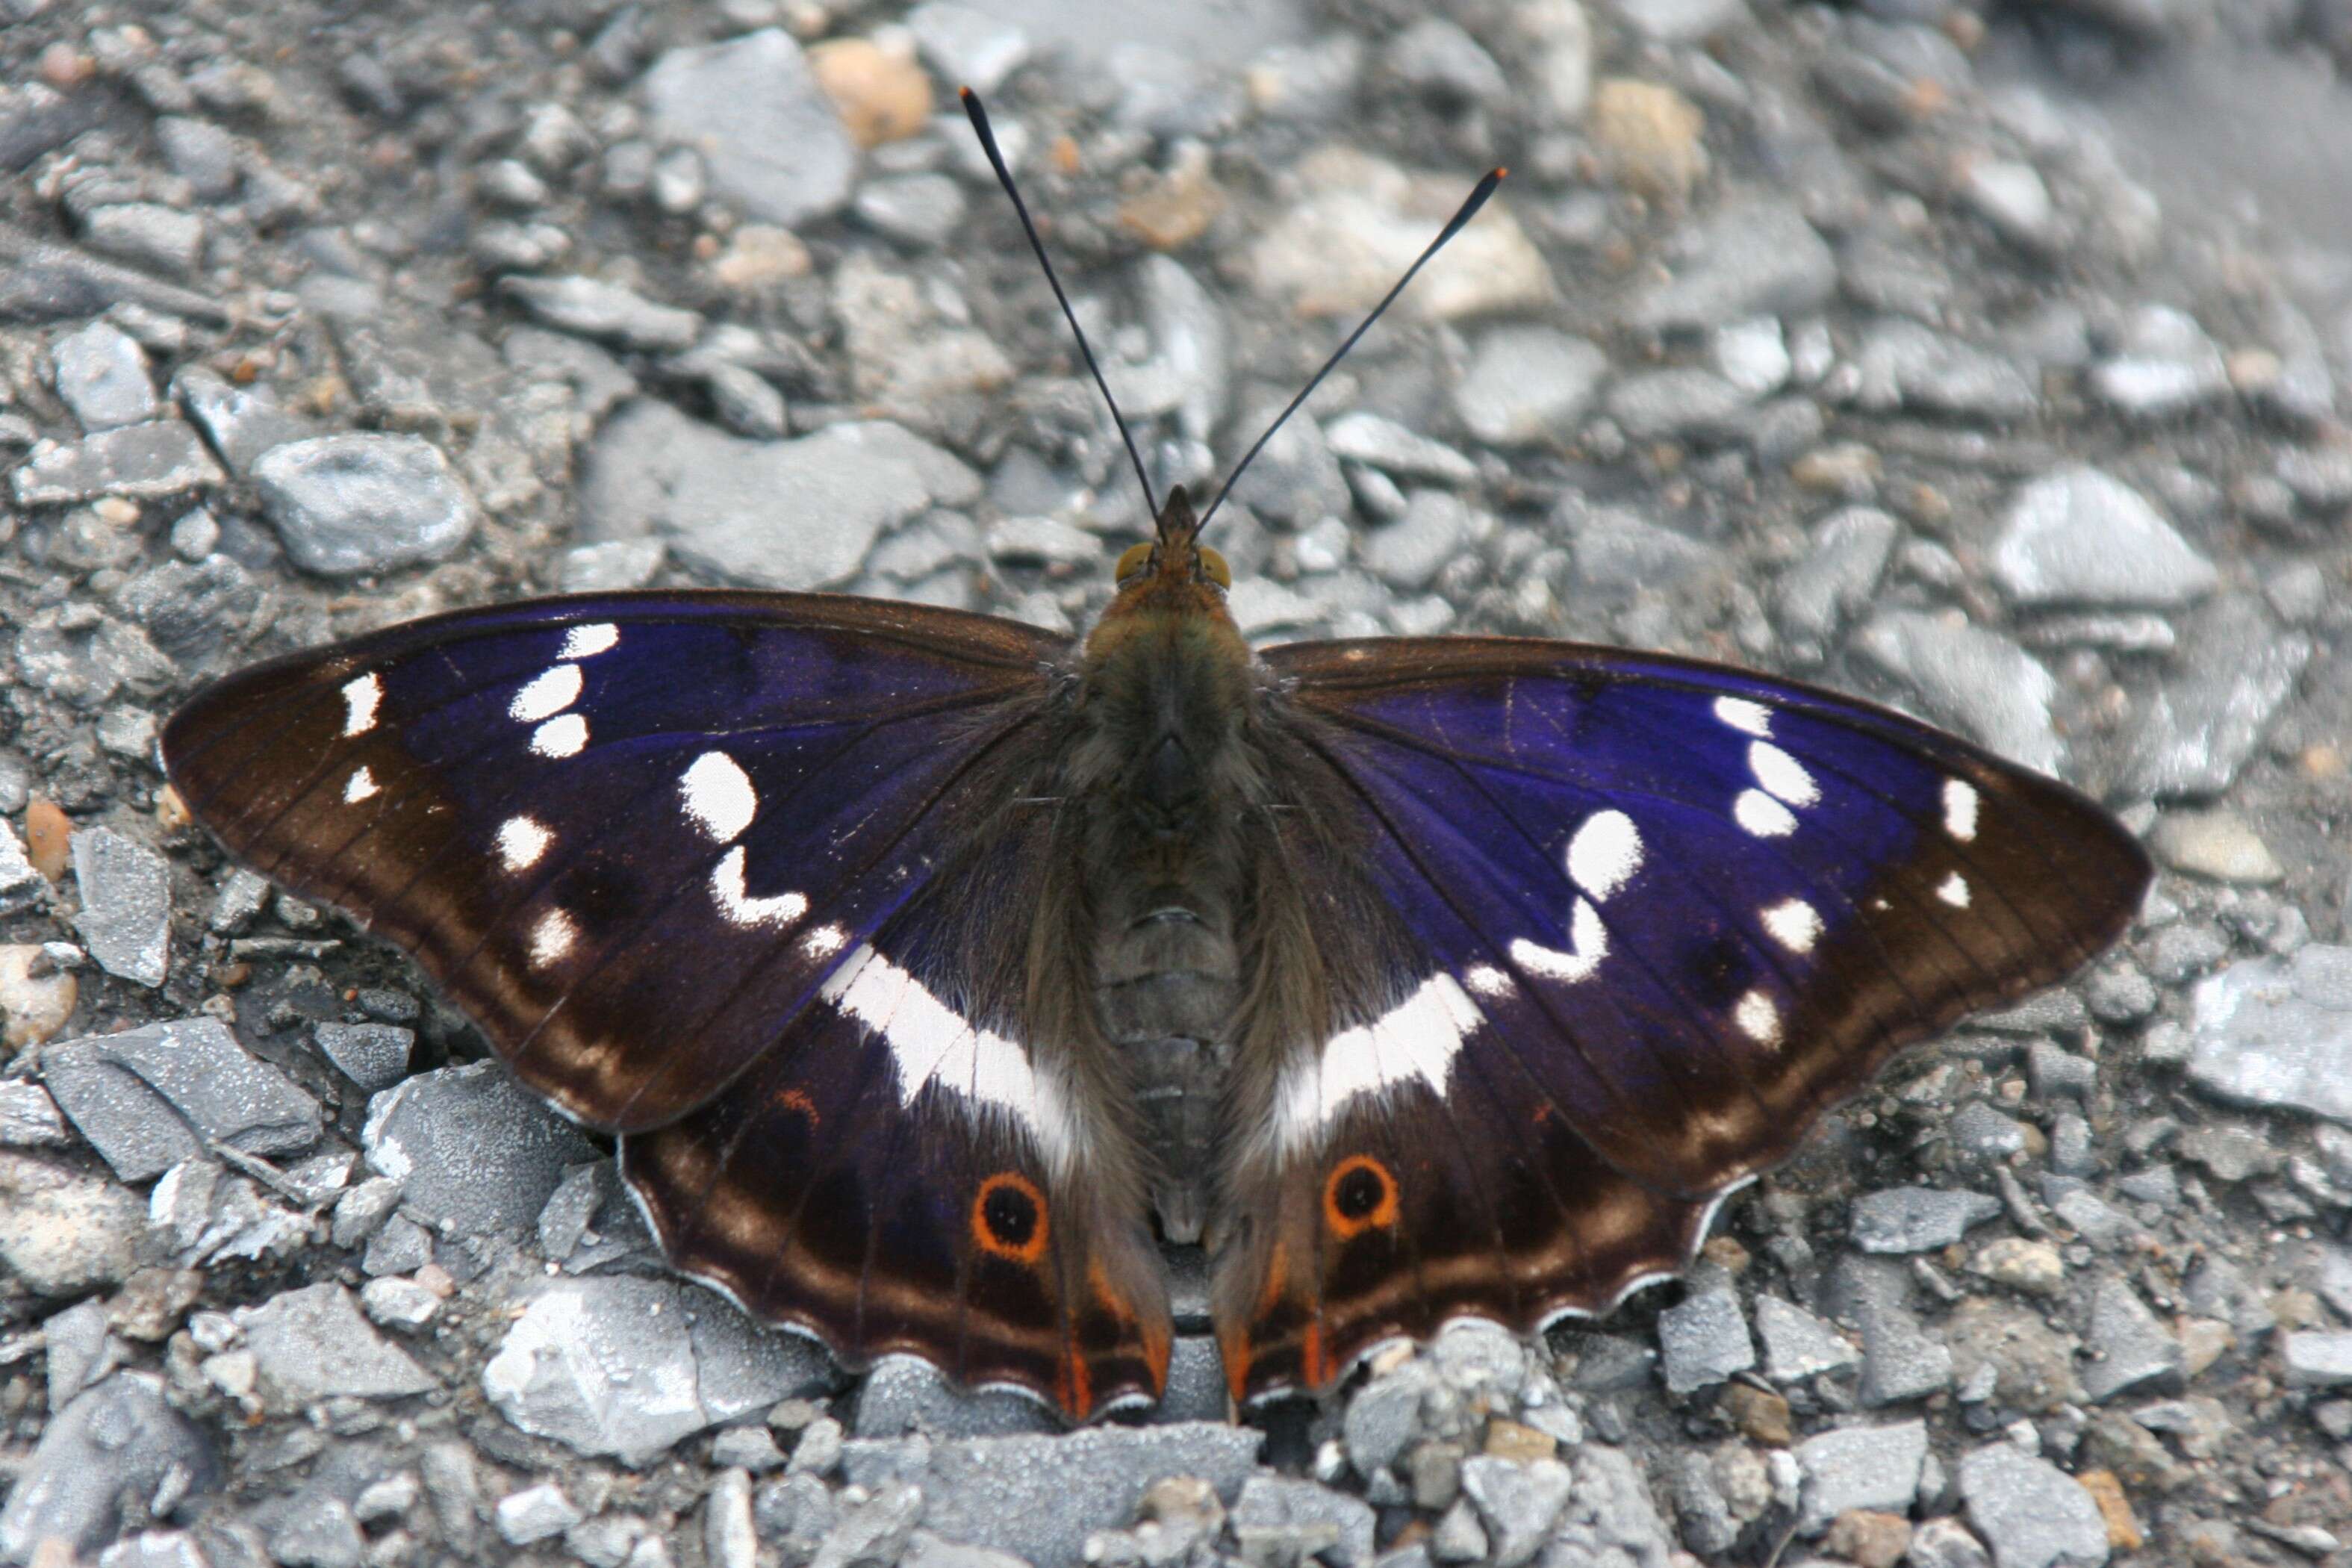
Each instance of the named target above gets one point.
<point>1215,565</point>
<point>1133,560</point>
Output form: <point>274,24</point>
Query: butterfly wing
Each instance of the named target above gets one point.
<point>1651,918</point>
<point>658,846</point>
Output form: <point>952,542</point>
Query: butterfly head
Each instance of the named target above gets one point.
<point>1174,570</point>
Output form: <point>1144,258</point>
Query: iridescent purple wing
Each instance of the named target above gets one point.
<point>1656,916</point>
<point>694,863</point>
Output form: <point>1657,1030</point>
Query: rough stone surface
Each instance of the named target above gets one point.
<point>1860,1466</point>
<point>126,914</point>
<point>473,1151</point>
<point>100,1461</point>
<point>751,109</point>
<point>344,505</point>
<point>2081,536</point>
<point>2033,1514</point>
<point>150,1098</point>
<point>2270,1031</point>
<point>1976,681</point>
<point>627,1367</point>
<point>312,1344</point>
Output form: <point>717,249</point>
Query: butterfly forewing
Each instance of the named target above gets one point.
<point>630,834</point>
<point>1659,916</point>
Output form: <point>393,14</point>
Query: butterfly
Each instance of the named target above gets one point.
<point>932,970</point>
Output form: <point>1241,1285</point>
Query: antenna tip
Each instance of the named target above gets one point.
<point>964,93</point>
<point>1500,172</point>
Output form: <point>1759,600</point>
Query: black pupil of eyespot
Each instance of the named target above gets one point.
<point>1012,1217</point>
<point>1360,1193</point>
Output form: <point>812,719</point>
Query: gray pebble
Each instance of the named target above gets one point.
<point>786,514</point>
<point>2317,1359</point>
<point>313,1343</point>
<point>1683,404</point>
<point>2080,536</point>
<point>29,1117</point>
<point>64,1234</point>
<point>473,1151</point>
<point>101,375</point>
<point>201,154</point>
<point>1977,680</point>
<point>1904,364</point>
<point>749,1448</point>
<point>242,422</point>
<point>1396,451</point>
<point>126,914</point>
<point>2010,195</point>
<point>147,233</point>
<point>906,1394</point>
<point>1279,1518</point>
<point>2276,1032</point>
<point>401,1305</point>
<point>1517,1503</point>
<point>314,1528</point>
<point>773,140</point>
<point>152,1097</point>
<point>611,567</point>
<point>1899,1359</point>
<point>1438,57</point>
<point>1918,1219</point>
<point>2165,365</point>
<point>2130,1350</point>
<point>1860,1466</point>
<point>368,503</point>
<point>595,308</point>
<point>536,1512</point>
<point>968,45</point>
<point>146,462</point>
<point>2204,723</point>
<point>1527,385</point>
<point>924,210</point>
<point>629,1366</point>
<point>2033,1514</point>
<point>1703,1340</point>
<point>372,1055</point>
<point>1041,1496</point>
<point>1435,528</point>
<point>1797,1344</point>
<point>1752,257</point>
<point>101,1460</point>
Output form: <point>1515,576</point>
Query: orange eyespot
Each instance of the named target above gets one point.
<point>1359,1196</point>
<point>1132,560</point>
<point>1215,565</point>
<point>1008,1218</point>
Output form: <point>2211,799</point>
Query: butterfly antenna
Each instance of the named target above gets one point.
<point>978,115</point>
<point>1454,225</point>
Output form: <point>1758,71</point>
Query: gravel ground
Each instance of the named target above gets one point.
<point>1984,358</point>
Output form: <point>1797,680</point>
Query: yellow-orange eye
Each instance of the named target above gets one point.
<point>1132,560</point>
<point>1215,565</point>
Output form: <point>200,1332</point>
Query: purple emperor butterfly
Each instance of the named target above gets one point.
<point>932,970</point>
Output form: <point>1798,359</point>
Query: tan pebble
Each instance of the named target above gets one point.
<point>2021,1264</point>
<point>170,811</point>
<point>1650,137</point>
<point>1726,1254</point>
<point>1868,1539</point>
<point>1759,1414</point>
<point>1513,1440</point>
<point>2123,1530</point>
<point>35,996</point>
<point>2203,1341</point>
<point>758,258</point>
<point>48,838</point>
<point>1846,469</point>
<point>1169,211</point>
<point>882,94</point>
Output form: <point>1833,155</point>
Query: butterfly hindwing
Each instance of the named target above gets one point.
<point>1653,916</point>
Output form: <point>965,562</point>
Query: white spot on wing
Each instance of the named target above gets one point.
<point>360,699</point>
<point>1588,945</point>
<point>359,786</point>
<point>588,641</point>
<point>1757,1018</point>
<point>719,796</point>
<point>1762,815</point>
<point>1417,1039</point>
<point>1794,924</point>
<point>736,903</point>
<point>1487,981</point>
<point>553,937</point>
<point>1781,774</point>
<point>548,693</point>
<point>522,841</point>
<point>1605,853</point>
<point>1749,718</point>
<point>562,736</point>
<point>823,941</point>
<point>1960,809</point>
<point>1954,890</point>
<point>931,1042</point>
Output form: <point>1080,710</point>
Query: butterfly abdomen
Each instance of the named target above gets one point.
<point>1164,777</point>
